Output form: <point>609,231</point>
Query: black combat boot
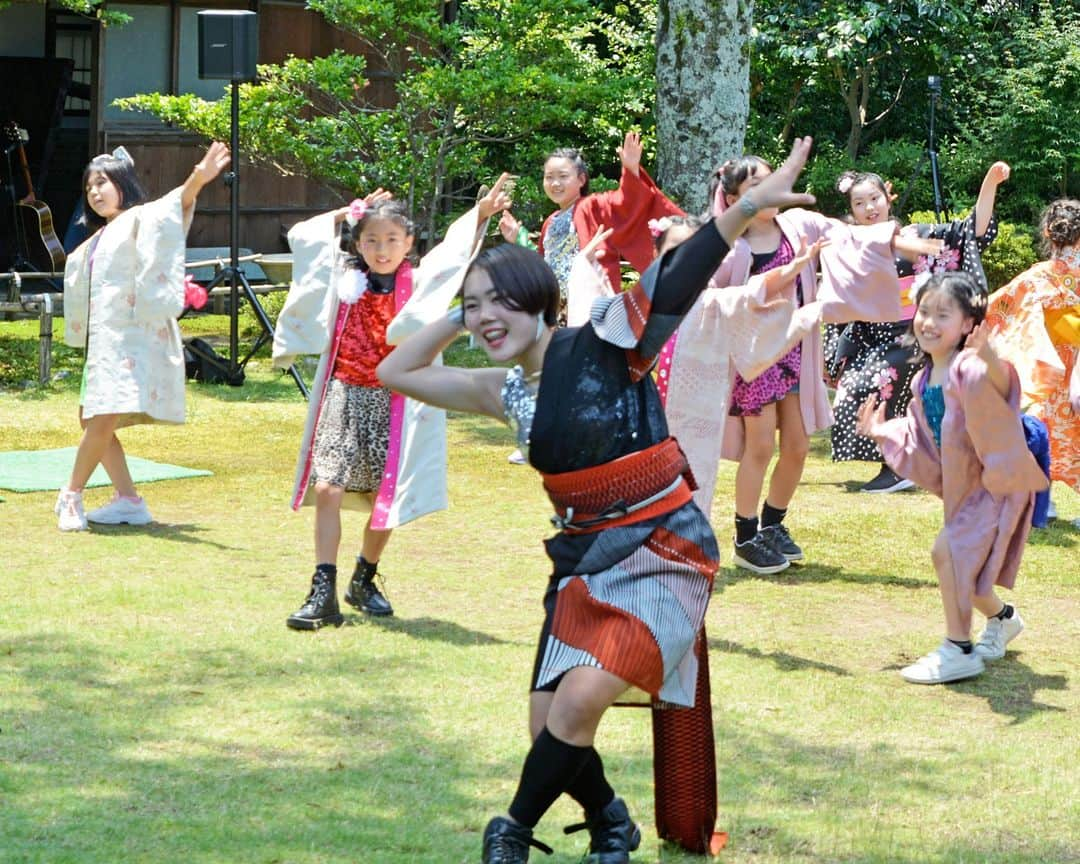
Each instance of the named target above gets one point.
<point>612,834</point>
<point>321,606</point>
<point>507,842</point>
<point>362,592</point>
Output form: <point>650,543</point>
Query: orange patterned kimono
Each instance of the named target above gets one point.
<point>1036,318</point>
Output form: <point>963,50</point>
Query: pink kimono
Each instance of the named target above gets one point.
<point>983,472</point>
<point>858,283</point>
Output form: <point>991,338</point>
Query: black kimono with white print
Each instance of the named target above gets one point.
<point>866,358</point>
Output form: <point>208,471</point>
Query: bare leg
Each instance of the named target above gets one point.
<point>581,699</point>
<point>794,448</point>
<point>374,542</point>
<point>97,438</point>
<point>988,604</point>
<point>327,522</point>
<point>957,624</point>
<point>760,441</point>
<point>539,706</point>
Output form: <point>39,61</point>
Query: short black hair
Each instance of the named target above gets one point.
<point>522,280</point>
<point>121,173</point>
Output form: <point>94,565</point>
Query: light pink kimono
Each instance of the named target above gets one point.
<point>858,283</point>
<point>726,328</point>
<point>983,472</point>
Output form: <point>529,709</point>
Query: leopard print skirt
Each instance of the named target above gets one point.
<point>352,437</point>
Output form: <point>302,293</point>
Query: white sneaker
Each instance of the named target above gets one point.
<point>947,663</point>
<point>69,508</point>
<point>999,632</point>
<point>121,511</point>
<point>517,458</point>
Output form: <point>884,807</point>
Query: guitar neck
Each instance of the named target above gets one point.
<point>25,166</point>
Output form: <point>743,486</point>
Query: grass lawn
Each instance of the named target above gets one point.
<point>155,708</point>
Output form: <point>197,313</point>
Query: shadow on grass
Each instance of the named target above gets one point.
<point>780,659</point>
<point>426,628</point>
<point>350,776</point>
<point>177,533</point>
<point>808,574</point>
<point>1008,686</point>
<point>136,780</point>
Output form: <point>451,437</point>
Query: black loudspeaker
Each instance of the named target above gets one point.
<point>228,44</point>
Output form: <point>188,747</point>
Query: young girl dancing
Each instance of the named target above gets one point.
<point>123,291</point>
<point>634,558</point>
<point>869,357</point>
<point>858,282</point>
<point>962,439</point>
<point>625,211</point>
<point>1036,322</point>
<point>363,447</point>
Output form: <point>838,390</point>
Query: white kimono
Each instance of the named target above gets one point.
<point>414,480</point>
<point>123,291</point>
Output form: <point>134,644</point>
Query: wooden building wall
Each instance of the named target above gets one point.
<point>269,203</point>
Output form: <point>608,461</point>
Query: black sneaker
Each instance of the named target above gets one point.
<point>779,538</point>
<point>507,842</point>
<point>321,606</point>
<point>362,594</point>
<point>887,480</point>
<point>759,555</point>
<point>612,834</point>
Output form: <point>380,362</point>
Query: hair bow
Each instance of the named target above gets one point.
<point>845,184</point>
<point>120,154</point>
<point>357,210</point>
<point>659,226</point>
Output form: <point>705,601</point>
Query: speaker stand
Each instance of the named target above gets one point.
<point>235,277</point>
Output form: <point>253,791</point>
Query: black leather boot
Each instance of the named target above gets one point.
<point>507,842</point>
<point>363,594</point>
<point>321,606</point>
<point>612,834</point>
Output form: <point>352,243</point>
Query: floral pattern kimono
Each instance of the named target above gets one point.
<point>123,291</point>
<point>1036,319</point>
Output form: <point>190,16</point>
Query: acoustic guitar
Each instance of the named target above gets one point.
<point>41,248</point>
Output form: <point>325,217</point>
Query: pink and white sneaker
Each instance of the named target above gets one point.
<point>69,507</point>
<point>121,511</point>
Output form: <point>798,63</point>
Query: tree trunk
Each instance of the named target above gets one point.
<point>702,91</point>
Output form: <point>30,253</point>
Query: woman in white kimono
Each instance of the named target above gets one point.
<point>123,291</point>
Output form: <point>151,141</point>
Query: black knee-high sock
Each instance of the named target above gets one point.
<point>590,788</point>
<point>549,769</point>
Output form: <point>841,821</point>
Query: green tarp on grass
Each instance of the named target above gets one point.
<point>35,470</point>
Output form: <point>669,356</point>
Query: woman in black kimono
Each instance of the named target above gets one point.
<point>634,558</point>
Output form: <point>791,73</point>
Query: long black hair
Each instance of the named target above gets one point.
<point>121,173</point>
<point>963,288</point>
<point>391,209</point>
